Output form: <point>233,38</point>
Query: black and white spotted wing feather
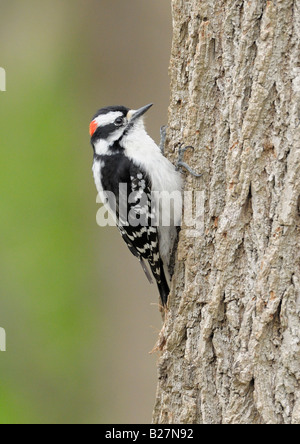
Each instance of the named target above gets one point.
<point>139,228</point>
<point>135,214</point>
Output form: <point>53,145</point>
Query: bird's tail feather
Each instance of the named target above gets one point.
<point>146,271</point>
<point>163,287</point>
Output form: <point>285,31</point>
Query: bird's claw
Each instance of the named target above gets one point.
<point>182,150</point>
<point>182,164</point>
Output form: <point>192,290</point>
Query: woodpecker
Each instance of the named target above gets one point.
<point>129,165</point>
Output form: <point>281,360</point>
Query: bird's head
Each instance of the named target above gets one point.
<point>113,123</point>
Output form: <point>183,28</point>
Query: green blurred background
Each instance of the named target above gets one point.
<point>79,315</point>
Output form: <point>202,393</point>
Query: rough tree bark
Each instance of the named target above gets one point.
<point>232,336</point>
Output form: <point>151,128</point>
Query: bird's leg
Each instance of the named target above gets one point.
<point>182,164</point>
<point>163,136</point>
<point>182,150</point>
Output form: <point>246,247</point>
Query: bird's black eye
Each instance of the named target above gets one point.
<point>119,121</point>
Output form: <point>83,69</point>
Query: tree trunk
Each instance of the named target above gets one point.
<point>231,349</point>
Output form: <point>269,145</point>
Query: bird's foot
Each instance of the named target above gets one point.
<point>181,164</point>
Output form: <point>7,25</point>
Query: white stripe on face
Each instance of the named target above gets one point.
<point>106,119</point>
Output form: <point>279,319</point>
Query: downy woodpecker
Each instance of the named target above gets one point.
<point>130,166</point>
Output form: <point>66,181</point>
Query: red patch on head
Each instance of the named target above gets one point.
<point>93,127</point>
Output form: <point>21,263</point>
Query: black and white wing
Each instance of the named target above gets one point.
<point>136,220</point>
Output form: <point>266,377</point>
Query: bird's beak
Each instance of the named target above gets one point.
<point>133,115</point>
